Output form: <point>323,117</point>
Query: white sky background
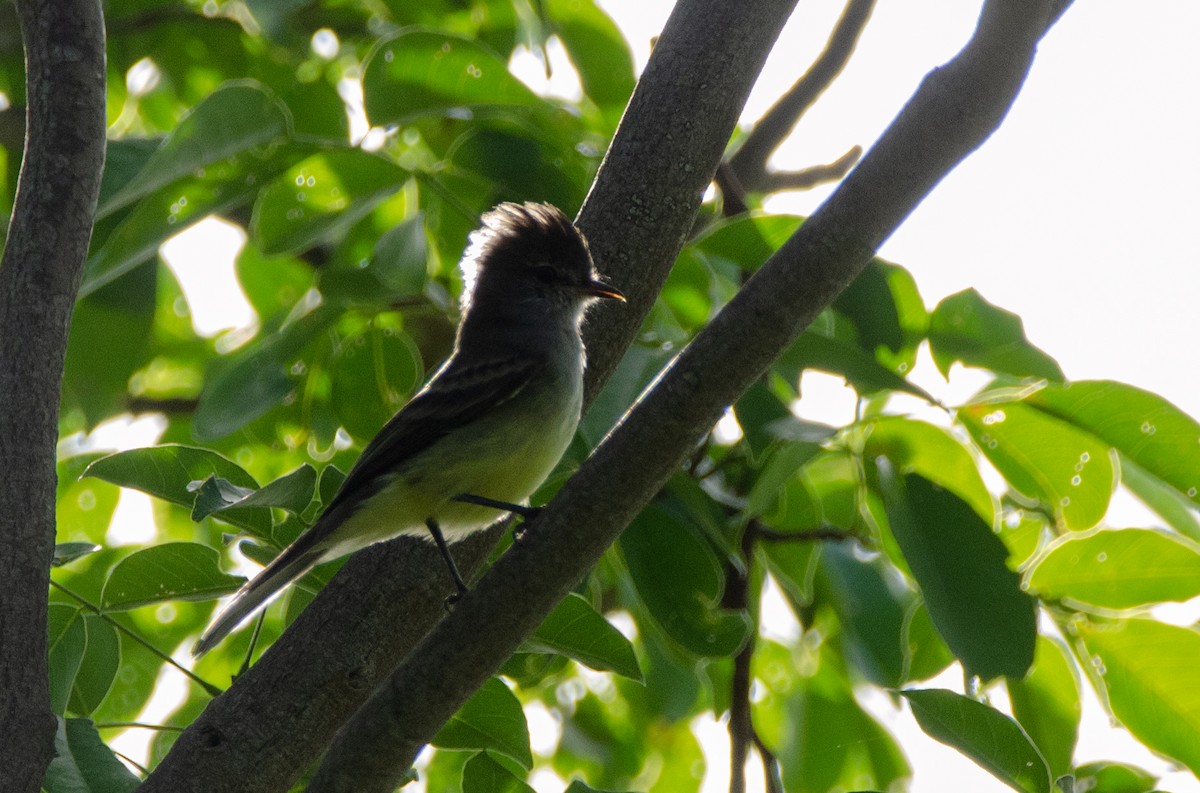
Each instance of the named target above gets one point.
<point>1077,215</point>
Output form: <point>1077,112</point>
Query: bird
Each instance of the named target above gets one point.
<point>488,427</point>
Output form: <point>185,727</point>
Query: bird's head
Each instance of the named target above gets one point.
<point>532,257</point>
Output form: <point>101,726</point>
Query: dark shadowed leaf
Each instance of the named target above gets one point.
<point>968,329</point>
<point>987,736</point>
<point>98,668</point>
<point>578,631</point>
<point>482,774</point>
<point>679,578</point>
<point>67,645</point>
<point>83,764</point>
<point>974,599</point>
<point>491,719</point>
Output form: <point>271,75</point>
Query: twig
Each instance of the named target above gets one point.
<point>208,687</point>
<point>118,725</point>
<point>808,535</point>
<point>770,764</point>
<point>808,178</point>
<point>750,160</point>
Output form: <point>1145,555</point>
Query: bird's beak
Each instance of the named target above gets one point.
<point>599,289</point>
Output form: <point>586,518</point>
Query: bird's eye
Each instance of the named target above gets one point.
<point>545,273</point>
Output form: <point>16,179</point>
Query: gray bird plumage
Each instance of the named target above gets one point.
<point>492,422</point>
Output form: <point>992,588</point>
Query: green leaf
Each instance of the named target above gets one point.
<point>1105,777</point>
<point>870,601</point>
<point>974,599</point>
<point>482,774</point>
<point>1168,503</point>
<point>256,378</point>
<point>67,552</point>
<point>67,645</point>
<point>679,578</point>
<point>292,492</point>
<point>824,740</point>
<point>984,734</point>
<point>1149,672</point>
<point>422,72</point>
<point>579,786</point>
<point>491,719</point>
<point>83,764</point>
<point>887,311</point>
<point>861,370</point>
<point>168,471</point>
<point>98,668</point>
<point>216,158</point>
<point>581,633</point>
<point>597,50</point>
<point>1046,705</point>
<point>239,116</point>
<point>921,448</point>
<point>1069,471</point>
<point>109,341</point>
<point>400,259</point>
<point>964,327</point>
<point>319,198</point>
<point>777,471</point>
<point>373,375</point>
<point>1119,569</point>
<point>745,241</point>
<point>173,571</point>
<point>1148,429</point>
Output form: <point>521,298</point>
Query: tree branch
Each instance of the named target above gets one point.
<point>39,276</point>
<point>274,720</point>
<point>955,110</point>
<point>749,162</point>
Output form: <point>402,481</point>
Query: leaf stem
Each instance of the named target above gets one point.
<point>208,687</point>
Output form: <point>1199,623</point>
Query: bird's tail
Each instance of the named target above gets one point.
<point>295,560</point>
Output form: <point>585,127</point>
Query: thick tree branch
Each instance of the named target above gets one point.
<point>956,108</point>
<point>39,275</point>
<point>749,162</point>
<point>274,720</point>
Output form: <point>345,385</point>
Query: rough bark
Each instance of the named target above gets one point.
<point>276,719</point>
<point>39,275</point>
<point>954,111</point>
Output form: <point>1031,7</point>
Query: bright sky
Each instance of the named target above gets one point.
<point>1078,215</point>
<point>1075,215</point>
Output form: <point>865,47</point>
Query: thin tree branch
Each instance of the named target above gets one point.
<point>275,720</point>
<point>741,727</point>
<point>749,162</point>
<point>808,178</point>
<point>39,277</point>
<point>955,110</point>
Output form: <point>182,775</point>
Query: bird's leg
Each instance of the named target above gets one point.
<point>436,531</point>
<point>527,513</point>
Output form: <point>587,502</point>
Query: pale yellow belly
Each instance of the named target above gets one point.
<point>496,464</point>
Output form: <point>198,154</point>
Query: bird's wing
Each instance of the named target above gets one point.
<point>457,395</point>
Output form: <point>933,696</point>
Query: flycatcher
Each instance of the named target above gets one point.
<point>489,426</point>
